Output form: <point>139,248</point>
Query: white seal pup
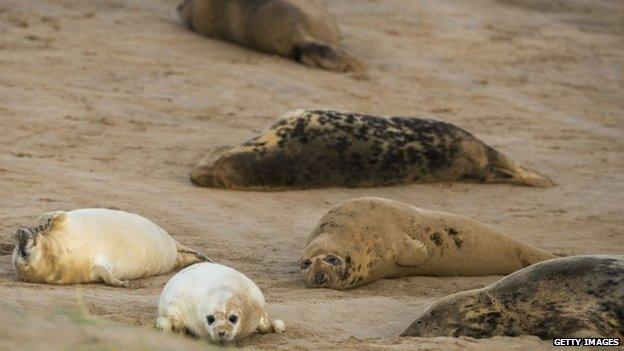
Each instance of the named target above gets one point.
<point>96,245</point>
<point>570,297</point>
<point>214,302</point>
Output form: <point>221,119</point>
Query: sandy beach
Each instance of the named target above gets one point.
<point>111,103</point>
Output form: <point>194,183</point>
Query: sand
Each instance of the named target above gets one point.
<point>112,103</point>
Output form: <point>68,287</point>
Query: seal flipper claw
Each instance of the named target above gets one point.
<point>323,56</point>
<point>412,253</point>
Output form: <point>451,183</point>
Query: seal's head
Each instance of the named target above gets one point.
<point>242,168</point>
<point>452,316</point>
<point>325,265</point>
<point>34,255</point>
<point>223,317</point>
<point>27,255</point>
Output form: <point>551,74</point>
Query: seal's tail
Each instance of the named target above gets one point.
<point>320,55</point>
<point>502,169</point>
<point>188,256</point>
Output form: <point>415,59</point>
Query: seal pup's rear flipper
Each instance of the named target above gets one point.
<point>268,325</point>
<point>319,55</point>
<point>188,256</point>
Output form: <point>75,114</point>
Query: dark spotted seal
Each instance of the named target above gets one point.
<point>579,296</point>
<point>293,28</point>
<point>308,149</point>
<point>364,240</point>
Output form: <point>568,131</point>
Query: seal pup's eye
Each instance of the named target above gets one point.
<point>233,318</point>
<point>305,264</point>
<point>210,319</point>
<point>333,260</point>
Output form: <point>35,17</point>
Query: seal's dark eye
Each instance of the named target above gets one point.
<point>210,319</point>
<point>333,260</point>
<point>233,318</point>
<point>305,264</point>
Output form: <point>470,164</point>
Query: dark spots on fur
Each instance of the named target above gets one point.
<point>552,326</point>
<point>436,238</point>
<point>482,325</point>
<point>555,299</point>
<point>320,148</point>
<point>454,234</point>
<point>613,310</point>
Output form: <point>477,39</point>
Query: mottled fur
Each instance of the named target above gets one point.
<point>308,149</point>
<point>293,28</point>
<point>374,238</point>
<point>579,296</point>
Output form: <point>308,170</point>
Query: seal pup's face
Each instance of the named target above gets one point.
<point>27,255</point>
<point>325,270</point>
<point>222,319</point>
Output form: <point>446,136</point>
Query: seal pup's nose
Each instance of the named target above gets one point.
<point>320,278</point>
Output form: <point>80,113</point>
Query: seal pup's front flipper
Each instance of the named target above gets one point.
<point>188,256</point>
<point>164,324</point>
<point>107,276</point>
<point>170,324</point>
<point>412,253</point>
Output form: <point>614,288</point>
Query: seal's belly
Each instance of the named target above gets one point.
<point>131,245</point>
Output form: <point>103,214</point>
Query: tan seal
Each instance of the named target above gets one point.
<point>571,297</point>
<point>293,28</point>
<point>214,302</point>
<point>320,148</point>
<point>364,240</point>
<point>96,245</point>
